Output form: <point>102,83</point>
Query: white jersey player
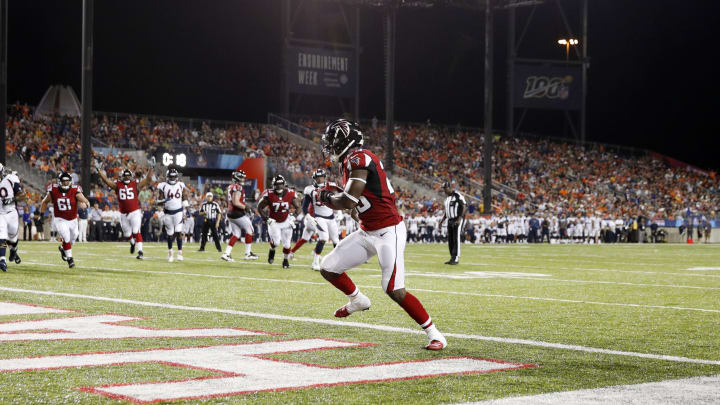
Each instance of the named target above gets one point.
<point>173,197</point>
<point>10,191</point>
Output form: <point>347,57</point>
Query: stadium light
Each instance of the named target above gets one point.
<point>566,43</point>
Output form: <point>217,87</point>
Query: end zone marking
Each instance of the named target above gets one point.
<point>686,391</point>
<point>383,328</point>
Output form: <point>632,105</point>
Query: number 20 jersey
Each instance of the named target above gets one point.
<point>376,208</point>
<point>9,187</point>
<point>64,203</point>
<point>127,196</point>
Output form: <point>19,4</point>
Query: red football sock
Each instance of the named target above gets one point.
<point>298,244</point>
<point>138,237</point>
<point>232,241</point>
<point>286,250</point>
<point>66,245</point>
<point>344,284</point>
<point>248,238</point>
<point>414,308</point>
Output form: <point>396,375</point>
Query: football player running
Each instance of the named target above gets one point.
<point>238,218</point>
<point>127,189</point>
<point>173,197</point>
<point>368,190</point>
<point>280,223</point>
<point>65,198</point>
<point>319,218</point>
<point>11,191</point>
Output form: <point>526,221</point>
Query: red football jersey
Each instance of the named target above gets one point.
<point>230,191</point>
<point>279,207</point>
<point>64,203</point>
<point>128,196</point>
<point>377,202</point>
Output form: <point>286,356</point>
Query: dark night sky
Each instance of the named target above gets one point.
<point>650,83</point>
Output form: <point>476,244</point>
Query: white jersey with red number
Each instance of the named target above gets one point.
<point>64,202</point>
<point>232,189</point>
<point>128,196</point>
<point>376,207</point>
<point>279,205</point>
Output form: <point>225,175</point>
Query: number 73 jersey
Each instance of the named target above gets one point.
<point>376,207</point>
<point>279,205</point>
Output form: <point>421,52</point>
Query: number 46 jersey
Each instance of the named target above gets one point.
<point>376,207</point>
<point>128,196</point>
<point>173,195</point>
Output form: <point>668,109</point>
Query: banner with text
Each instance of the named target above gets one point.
<point>548,87</point>
<point>319,71</point>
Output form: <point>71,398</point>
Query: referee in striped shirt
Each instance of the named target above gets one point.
<point>210,210</point>
<point>455,208</point>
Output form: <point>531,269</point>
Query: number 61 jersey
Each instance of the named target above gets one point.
<point>64,202</point>
<point>376,207</point>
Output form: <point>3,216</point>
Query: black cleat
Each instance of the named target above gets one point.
<point>286,264</point>
<point>62,253</point>
<point>140,255</point>
<point>132,248</point>
<point>202,250</point>
<point>71,262</point>
<point>3,265</point>
<point>453,261</point>
<point>271,256</point>
<point>14,256</point>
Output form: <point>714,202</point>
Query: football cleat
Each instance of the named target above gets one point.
<point>227,257</point>
<point>251,256</point>
<point>436,340</point>
<point>71,262</point>
<point>360,302</point>
<point>14,257</point>
<point>170,257</point>
<point>286,264</point>
<point>132,248</point>
<point>316,266</point>
<point>271,256</point>
<point>180,257</point>
<point>201,250</point>
<point>452,262</point>
<point>140,255</point>
<point>62,253</point>
<point>3,265</point>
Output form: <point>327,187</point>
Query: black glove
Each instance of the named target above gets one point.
<point>325,196</point>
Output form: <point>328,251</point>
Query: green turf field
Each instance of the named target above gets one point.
<point>652,310</point>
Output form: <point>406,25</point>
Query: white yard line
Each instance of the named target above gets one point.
<point>383,328</point>
<point>696,390</point>
<point>519,297</point>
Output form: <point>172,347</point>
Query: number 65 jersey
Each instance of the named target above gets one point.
<point>128,196</point>
<point>376,205</point>
<point>64,202</point>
